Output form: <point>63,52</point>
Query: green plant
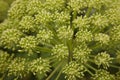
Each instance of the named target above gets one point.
<point>61,40</point>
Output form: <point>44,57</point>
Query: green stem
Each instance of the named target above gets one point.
<point>43,49</point>
<point>53,60</point>
<point>58,75</point>
<point>114,66</point>
<point>88,12</point>
<point>96,46</point>
<point>90,72</point>
<point>91,61</point>
<point>50,57</point>
<point>55,63</point>
<point>70,48</point>
<point>91,67</point>
<point>48,78</point>
<point>48,45</point>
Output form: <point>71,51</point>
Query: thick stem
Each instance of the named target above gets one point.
<point>73,15</point>
<point>70,48</point>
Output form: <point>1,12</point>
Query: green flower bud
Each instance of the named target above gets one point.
<point>5,60</point>
<point>44,36</point>
<point>55,5</point>
<point>84,36</point>
<point>17,10</point>
<point>34,6</point>
<point>103,75</point>
<point>61,18</point>
<point>103,59</point>
<point>98,4</point>
<point>76,5</point>
<point>28,43</point>
<point>73,71</point>
<point>18,68</point>
<point>81,54</point>
<point>39,66</point>
<point>43,17</point>
<point>60,51</point>
<point>115,33</point>
<point>102,38</point>
<point>99,21</point>
<point>10,38</point>
<point>65,33</point>
<point>27,24</point>
<point>82,22</point>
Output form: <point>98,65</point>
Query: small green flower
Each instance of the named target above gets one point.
<point>10,38</point>
<point>99,21</point>
<point>43,17</point>
<point>102,38</point>
<point>76,5</point>
<point>115,33</point>
<point>60,51</point>
<point>81,54</point>
<point>54,5</point>
<point>61,18</point>
<point>103,75</point>
<point>65,33</point>
<point>73,71</point>
<point>18,67</point>
<point>33,6</point>
<point>103,59</point>
<point>82,23</point>
<point>28,43</point>
<point>44,36</point>
<point>5,60</point>
<point>84,36</point>
<point>27,24</point>
<point>39,66</point>
<point>17,10</point>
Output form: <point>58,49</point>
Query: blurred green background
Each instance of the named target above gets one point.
<point>4,6</point>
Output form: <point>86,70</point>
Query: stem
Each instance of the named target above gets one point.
<point>91,61</point>
<point>70,48</point>
<point>56,63</point>
<point>43,49</point>
<point>88,12</point>
<point>90,72</point>
<point>58,75</point>
<point>48,78</point>
<point>91,67</point>
<point>98,45</point>
<point>70,43</point>
<point>114,66</point>
<point>46,44</point>
<point>50,57</point>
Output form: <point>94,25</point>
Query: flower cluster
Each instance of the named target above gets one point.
<point>60,51</point>
<point>103,59</point>
<point>10,38</point>
<point>40,66</point>
<point>102,38</point>
<point>18,67</point>
<point>5,59</point>
<point>81,54</point>
<point>61,40</point>
<point>103,75</point>
<point>73,70</point>
<point>28,43</point>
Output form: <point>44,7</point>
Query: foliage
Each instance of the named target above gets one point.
<point>61,40</point>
